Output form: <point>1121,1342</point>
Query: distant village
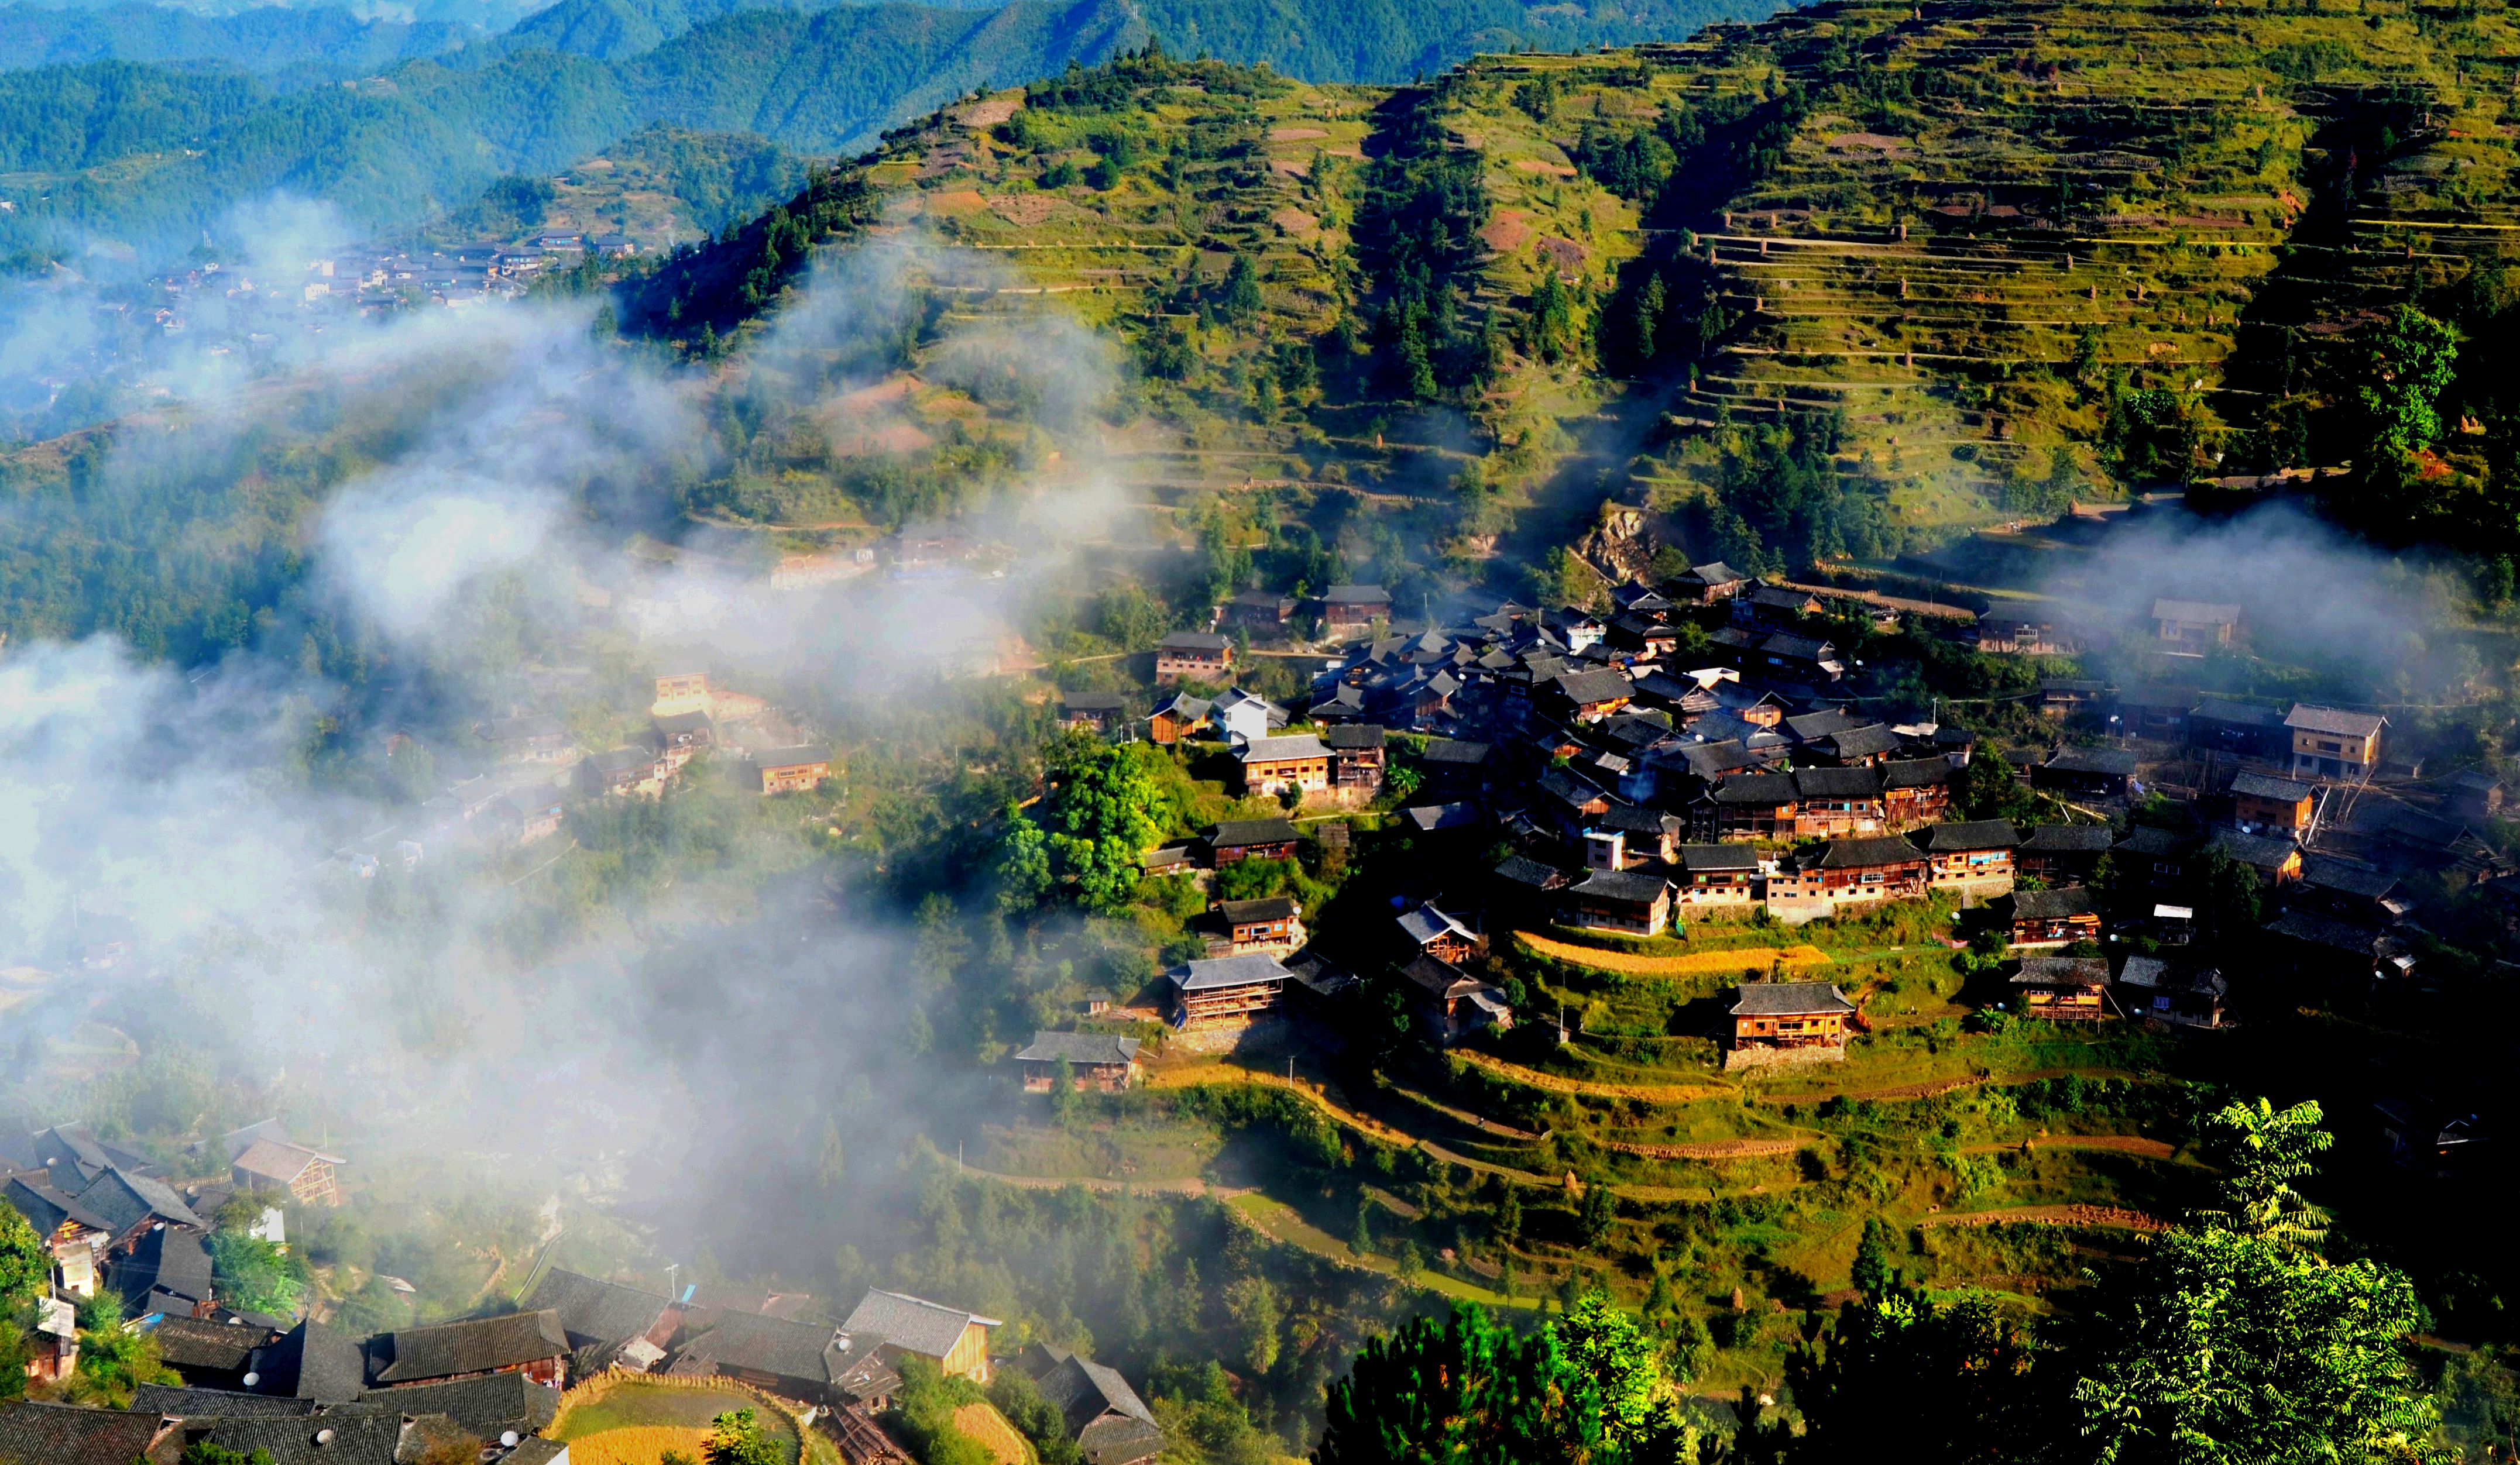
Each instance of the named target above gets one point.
<point>1640,790</point>
<point>484,1388</point>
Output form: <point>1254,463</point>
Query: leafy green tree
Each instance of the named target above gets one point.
<point>2220,1349</point>
<point>1108,811</point>
<point>2261,1151</point>
<point>2411,357</point>
<point>1873,1274</point>
<point>1596,1213</point>
<point>1604,1344</point>
<point>257,1276</point>
<point>1023,862</point>
<point>24,1264</point>
<point>1243,300</point>
<point>211,1452</point>
<point>1253,1305</point>
<point>736,1438</point>
<point>1464,1392</point>
<point>113,1361</point>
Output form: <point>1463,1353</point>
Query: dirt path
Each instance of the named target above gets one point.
<point>1695,963</point>
<point>2054,1216</point>
<point>1479,1121</point>
<point>1159,1077</point>
<point>1719,1149</point>
<point>1889,601</point>
<point>2129,1144</point>
<point>1185,1186</point>
<point>1656,1094</point>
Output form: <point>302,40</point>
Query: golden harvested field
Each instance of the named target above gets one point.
<point>637,1445</point>
<point>983,1423</point>
<point>1695,963</point>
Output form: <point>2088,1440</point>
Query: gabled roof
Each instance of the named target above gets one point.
<point>1758,789</point>
<point>1354,737</point>
<point>478,1345</point>
<point>1455,751</point>
<point>2079,839</point>
<point>2116,763</point>
<point>1238,833</point>
<point>1780,598</point>
<point>1356,594</point>
<point>280,1162</point>
<point>1714,858</point>
<point>1790,999</point>
<point>2345,877</point>
<point>596,1311</point>
<point>1247,971</point>
<point>1192,640</point>
<point>1810,727</point>
<point>2268,786</point>
<point>2240,714</point>
<point>621,760</point>
<point>1433,817</point>
<point>1914,772</point>
<point>166,1269</point>
<point>486,1407</point>
<point>211,1347</point>
<point>1627,819</point>
<point>1718,573</point>
<point>196,1403</point>
<point>1587,688</point>
<point>1861,742</point>
<point>1564,786</point>
<point>125,1200</point>
<point>1624,885</point>
<point>1440,976</point>
<point>2152,841</point>
<point>2256,850</point>
<point>1426,923</point>
<point>312,1360</point>
<point>800,756</point>
<point>2051,905</point>
<point>1281,749</point>
<point>1859,853</point>
<point>1267,907</point>
<point>2062,971</point>
<point>757,1343</point>
<point>333,1437</point>
<point>1785,643</point>
<point>1837,783</point>
<point>46,1208</point>
<point>1100,1050</point>
<point>915,1325</point>
<point>2334,721</point>
<point>1974,835</point>
<point>2319,930</point>
<point>1076,702</point>
<point>45,1434</point>
<point>1527,872</point>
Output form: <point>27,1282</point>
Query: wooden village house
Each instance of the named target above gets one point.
<point>532,1344</point>
<point>1453,1003</point>
<point>956,1341</point>
<point>1973,857</point>
<point>1788,1021</point>
<point>1273,764</point>
<point>1097,1061</point>
<point>1428,932</point>
<point>1226,990</point>
<point>2264,804</point>
<point>1353,607</point>
<point>2062,989</point>
<point>1273,925</point>
<point>2063,854</point>
<point>1718,877</point>
<point>308,1176</point>
<point>1356,757</point>
<point>2332,746</point>
<point>1177,716</point>
<point>1627,900</point>
<point>2194,627</point>
<point>1239,839</point>
<point>2046,918</point>
<point>1193,655</point>
<point>792,770</point>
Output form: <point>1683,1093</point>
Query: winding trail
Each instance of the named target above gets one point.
<point>1532,1078</point>
<point>2114,1217</point>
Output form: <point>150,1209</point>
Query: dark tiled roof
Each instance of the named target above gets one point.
<point>596,1311</point>
<point>759,1344</point>
<point>2062,971</point>
<point>2335,721</point>
<point>1099,1049</point>
<point>2319,930</point>
<point>1193,641</point>
<point>486,1406</point>
<point>2150,840</point>
<point>2050,904</point>
<point>1711,858</point>
<point>1224,971</point>
<point>1522,871</point>
<point>1356,594</point>
<point>2116,763</point>
<point>800,756</point>
<point>2059,839</point>
<point>2255,850</point>
<point>125,1200</point>
<point>39,1433</point>
<point>1080,702</point>
<point>1267,907</point>
<point>1607,685</point>
<point>2327,872</point>
<point>1975,834</point>
<point>1861,742</point>
<point>1837,783</point>
<point>1858,854</point>
<point>915,1325</point>
<point>1914,772</point>
<point>1354,737</point>
<point>2243,714</point>
<point>1624,885</point>
<point>1756,788</point>
<point>1810,727</point>
<point>1455,751</point>
<point>474,1345</point>
<point>311,1361</point>
<point>1234,833</point>
<point>333,1437</point>
<point>2268,786</point>
<point>197,1404</point>
<point>46,1208</point>
<point>212,1346</point>
<point>1790,999</point>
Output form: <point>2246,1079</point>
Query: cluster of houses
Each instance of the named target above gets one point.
<point>1648,770</point>
<point>482,1388</point>
<point>109,1220</point>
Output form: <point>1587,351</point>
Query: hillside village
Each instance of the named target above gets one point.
<point>1704,754</point>
<point>129,1237</point>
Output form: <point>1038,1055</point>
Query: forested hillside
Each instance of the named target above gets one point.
<point>294,45</point>
<point>153,154</point>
